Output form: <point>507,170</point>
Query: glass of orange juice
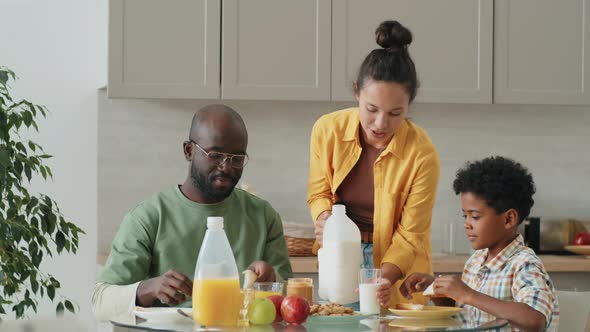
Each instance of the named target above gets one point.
<point>302,287</point>
<point>266,289</point>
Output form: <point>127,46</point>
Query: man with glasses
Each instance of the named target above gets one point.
<point>154,253</point>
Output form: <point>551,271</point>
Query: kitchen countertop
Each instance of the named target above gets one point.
<point>454,264</point>
<point>444,264</point>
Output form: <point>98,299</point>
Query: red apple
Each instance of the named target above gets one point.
<point>582,238</point>
<point>294,309</point>
<point>277,300</point>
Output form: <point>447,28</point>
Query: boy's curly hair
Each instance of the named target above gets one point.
<point>502,182</point>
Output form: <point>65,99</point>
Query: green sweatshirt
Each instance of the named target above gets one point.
<point>166,232</point>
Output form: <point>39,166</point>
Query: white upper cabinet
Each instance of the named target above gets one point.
<point>276,49</point>
<point>451,47</point>
<point>466,51</point>
<point>164,49</point>
<point>542,52</point>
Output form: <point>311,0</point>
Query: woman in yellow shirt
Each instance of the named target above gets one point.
<point>380,165</point>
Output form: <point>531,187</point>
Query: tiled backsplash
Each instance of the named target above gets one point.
<point>140,153</point>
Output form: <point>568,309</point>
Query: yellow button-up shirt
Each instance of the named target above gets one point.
<point>405,178</point>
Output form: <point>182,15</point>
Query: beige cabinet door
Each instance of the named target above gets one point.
<point>164,49</point>
<point>452,45</point>
<point>276,49</point>
<point>542,52</point>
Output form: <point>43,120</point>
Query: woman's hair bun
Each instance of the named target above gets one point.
<point>393,35</point>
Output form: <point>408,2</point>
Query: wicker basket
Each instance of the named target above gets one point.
<point>299,247</point>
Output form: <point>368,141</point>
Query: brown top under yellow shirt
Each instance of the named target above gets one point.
<point>405,179</point>
<point>357,190</point>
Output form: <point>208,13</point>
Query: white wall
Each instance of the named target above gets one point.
<point>58,49</point>
<point>140,153</point>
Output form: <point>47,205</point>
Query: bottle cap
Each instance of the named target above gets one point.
<point>215,222</point>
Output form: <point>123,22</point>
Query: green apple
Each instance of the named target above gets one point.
<point>261,312</point>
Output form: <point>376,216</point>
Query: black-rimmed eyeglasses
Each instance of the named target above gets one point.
<point>219,158</point>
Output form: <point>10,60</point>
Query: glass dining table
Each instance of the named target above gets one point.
<point>372,323</point>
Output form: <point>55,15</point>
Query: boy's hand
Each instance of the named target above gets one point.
<point>451,286</point>
<point>416,282</point>
<point>384,292</point>
<point>263,270</point>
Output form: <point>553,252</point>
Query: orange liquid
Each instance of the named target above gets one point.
<point>216,302</point>
<point>265,294</point>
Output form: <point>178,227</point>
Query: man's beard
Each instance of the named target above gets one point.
<point>204,184</point>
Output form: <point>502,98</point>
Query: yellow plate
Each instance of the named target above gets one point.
<point>424,323</point>
<point>429,312</point>
<point>582,250</point>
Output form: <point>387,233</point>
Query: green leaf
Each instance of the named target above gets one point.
<point>27,118</point>
<point>28,172</point>
<point>60,240</point>
<point>43,172</point>
<point>34,285</point>
<point>51,292</point>
<point>70,307</point>
<point>32,146</point>
<point>52,223</point>
<point>4,156</point>
<point>19,308</point>
<point>59,310</point>
<point>36,258</point>
<point>3,77</point>
<point>20,147</point>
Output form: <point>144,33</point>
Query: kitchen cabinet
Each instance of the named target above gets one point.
<point>451,47</point>
<point>164,49</point>
<point>542,52</point>
<point>277,50</point>
<point>466,51</point>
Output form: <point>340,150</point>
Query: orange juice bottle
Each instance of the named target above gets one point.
<point>216,287</point>
<point>216,302</point>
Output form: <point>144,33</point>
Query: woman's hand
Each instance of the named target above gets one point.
<point>384,292</point>
<point>319,226</point>
<point>416,282</point>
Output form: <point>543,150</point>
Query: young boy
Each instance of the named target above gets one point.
<point>503,278</point>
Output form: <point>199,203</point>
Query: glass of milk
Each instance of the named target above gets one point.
<point>369,280</point>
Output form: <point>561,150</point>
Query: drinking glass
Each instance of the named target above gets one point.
<point>247,295</point>
<point>266,289</point>
<point>450,239</point>
<point>369,280</point>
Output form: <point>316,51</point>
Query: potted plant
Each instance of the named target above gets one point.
<point>31,225</point>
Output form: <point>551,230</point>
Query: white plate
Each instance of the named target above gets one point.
<point>579,249</point>
<point>162,313</point>
<point>355,318</point>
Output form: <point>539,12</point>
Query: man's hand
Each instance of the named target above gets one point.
<point>416,282</point>
<point>172,288</point>
<point>451,286</point>
<point>319,226</point>
<point>263,270</point>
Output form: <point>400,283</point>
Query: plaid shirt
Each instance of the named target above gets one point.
<point>515,274</point>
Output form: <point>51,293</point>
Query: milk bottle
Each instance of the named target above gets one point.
<point>339,258</point>
<point>216,287</point>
